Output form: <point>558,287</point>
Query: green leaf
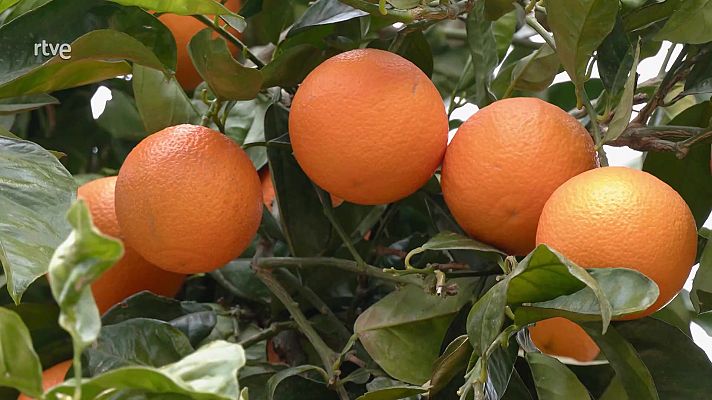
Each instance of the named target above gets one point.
<point>545,274</point>
<point>180,7</point>
<point>701,294</point>
<point>282,375</point>
<point>305,227</point>
<point>679,367</point>
<point>494,9</point>
<point>5,4</point>
<point>691,23</point>
<point>25,103</point>
<point>536,71</point>
<point>393,393</point>
<point>77,18</point>
<point>324,12</point>
<point>20,367</point>
<point>452,241</point>
<point>483,50</point>
<point>579,27</point>
<point>138,341</point>
<point>451,363</point>
<point>690,177</point>
<point>417,331</point>
<point>624,109</point>
<point>161,101</point>
<point>121,118</point>
<point>553,380</point>
<point>628,292</point>
<point>149,305</point>
<point>290,66</point>
<point>503,30</point>
<point>51,343</point>
<point>646,16</point>
<point>36,190</point>
<point>227,78</point>
<point>208,374</point>
<point>517,389</point>
<point>634,375</point>
<point>76,263</point>
<point>615,59</point>
<point>500,366</point>
<point>484,322</point>
<point>239,278</point>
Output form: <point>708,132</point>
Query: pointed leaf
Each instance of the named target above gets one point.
<point>20,367</point>
<point>553,380</point>
<point>691,23</point>
<point>624,109</point>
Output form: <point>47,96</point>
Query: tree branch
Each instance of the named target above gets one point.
<point>677,139</point>
<point>449,10</point>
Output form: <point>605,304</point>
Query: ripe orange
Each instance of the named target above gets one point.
<point>368,126</point>
<point>183,29</point>
<point>504,163</point>
<point>132,273</point>
<point>561,337</point>
<point>52,377</point>
<point>269,195</point>
<point>621,217</point>
<point>188,199</point>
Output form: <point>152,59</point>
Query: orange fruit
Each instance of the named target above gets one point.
<point>132,273</point>
<point>561,337</point>
<point>504,163</point>
<point>621,217</point>
<point>184,28</point>
<point>52,377</point>
<point>188,199</point>
<point>269,195</point>
<point>368,126</point>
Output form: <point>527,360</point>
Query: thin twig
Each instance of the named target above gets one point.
<point>534,24</point>
<point>271,331</point>
<point>230,38</point>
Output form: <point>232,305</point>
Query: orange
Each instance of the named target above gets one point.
<point>621,217</point>
<point>52,377</point>
<point>368,126</point>
<point>188,199</point>
<point>561,337</point>
<point>504,163</point>
<point>269,195</point>
<point>183,29</point>
<point>131,274</point>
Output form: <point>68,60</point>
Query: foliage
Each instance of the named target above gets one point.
<point>350,302</point>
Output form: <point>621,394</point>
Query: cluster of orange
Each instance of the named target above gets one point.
<point>370,127</point>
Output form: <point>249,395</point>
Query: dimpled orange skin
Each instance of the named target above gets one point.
<point>561,337</point>
<point>132,273</point>
<point>368,126</point>
<point>504,163</point>
<point>52,377</point>
<point>621,217</point>
<point>188,199</point>
<point>184,28</point>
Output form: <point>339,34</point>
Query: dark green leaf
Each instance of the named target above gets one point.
<point>484,322</point>
<point>630,369</point>
<point>536,71</point>
<point>305,227</point>
<point>180,7</point>
<point>680,369</point>
<point>417,330</point>
<point>324,12</point>
<point>76,263</point>
<point>692,23</point>
<point>650,14</point>
<point>701,293</point>
<point>52,343</point>
<point>483,50</point>
<point>239,278</point>
<point>579,27</point>
<point>25,103</point>
<point>393,393</point>
<point>149,305</point>
<point>227,78</point>
<point>208,374</point>
<point>121,118</point>
<point>452,241</point>
<point>500,366</point>
<point>615,59</point>
<point>503,30</point>
<point>36,190</point>
<point>161,101</point>
<point>553,380</point>
<point>280,376</point>
<point>690,177</point>
<point>21,367</point>
<point>494,9</point>
<point>517,389</point>
<point>545,274</point>
<point>624,109</point>
<point>450,364</point>
<point>139,341</point>
<point>291,66</point>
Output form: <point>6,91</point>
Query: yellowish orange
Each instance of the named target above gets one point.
<point>621,217</point>
<point>52,377</point>
<point>131,274</point>
<point>183,29</point>
<point>505,162</point>
<point>561,337</point>
<point>368,126</point>
<point>188,199</point>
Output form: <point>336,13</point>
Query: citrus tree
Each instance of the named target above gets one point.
<point>264,199</point>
